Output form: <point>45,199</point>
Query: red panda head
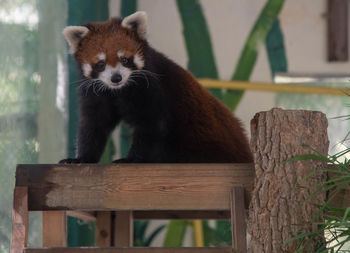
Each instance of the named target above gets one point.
<point>110,51</point>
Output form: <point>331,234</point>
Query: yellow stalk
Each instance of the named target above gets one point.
<point>198,233</point>
<point>272,87</point>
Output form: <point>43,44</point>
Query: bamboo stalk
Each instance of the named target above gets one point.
<point>198,233</point>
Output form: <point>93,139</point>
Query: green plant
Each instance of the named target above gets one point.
<point>140,238</point>
<point>335,225</point>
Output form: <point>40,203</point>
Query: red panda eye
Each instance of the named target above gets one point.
<point>124,60</point>
<point>100,66</point>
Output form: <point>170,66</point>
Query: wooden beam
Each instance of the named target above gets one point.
<point>134,186</point>
<point>54,229</point>
<point>238,221</point>
<point>104,229</point>
<point>337,30</point>
<point>182,215</point>
<point>130,250</point>
<point>123,229</point>
<point>19,220</point>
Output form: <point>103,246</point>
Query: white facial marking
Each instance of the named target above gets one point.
<point>106,75</point>
<point>139,62</point>
<point>121,53</point>
<point>101,56</point>
<point>87,69</point>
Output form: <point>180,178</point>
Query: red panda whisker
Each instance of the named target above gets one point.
<point>144,75</point>
<point>93,88</point>
<point>84,83</point>
<point>147,72</point>
<point>79,81</point>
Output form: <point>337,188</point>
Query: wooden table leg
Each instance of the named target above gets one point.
<point>103,229</point>
<point>19,220</point>
<point>238,223</point>
<point>123,229</point>
<point>54,229</point>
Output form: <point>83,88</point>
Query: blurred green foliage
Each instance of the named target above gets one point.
<point>19,103</point>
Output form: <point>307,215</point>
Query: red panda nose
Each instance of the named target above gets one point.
<point>116,78</point>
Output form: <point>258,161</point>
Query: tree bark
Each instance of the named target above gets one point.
<point>280,207</point>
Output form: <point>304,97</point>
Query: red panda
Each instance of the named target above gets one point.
<point>174,119</point>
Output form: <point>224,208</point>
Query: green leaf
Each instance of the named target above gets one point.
<point>149,240</point>
<point>249,54</point>
<point>308,157</point>
<point>175,234</point>
<point>276,50</point>
<point>201,60</point>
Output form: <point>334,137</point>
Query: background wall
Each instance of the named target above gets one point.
<point>34,86</point>
<point>304,28</point>
<point>304,41</point>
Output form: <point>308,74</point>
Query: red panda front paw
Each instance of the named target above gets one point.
<point>70,160</point>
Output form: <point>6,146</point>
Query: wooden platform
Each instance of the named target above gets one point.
<point>135,191</point>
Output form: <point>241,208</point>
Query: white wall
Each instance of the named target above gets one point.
<point>303,24</point>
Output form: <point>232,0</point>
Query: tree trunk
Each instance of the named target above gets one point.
<point>280,207</point>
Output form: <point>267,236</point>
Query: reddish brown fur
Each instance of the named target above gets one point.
<point>208,126</point>
<point>174,118</point>
<point>108,37</point>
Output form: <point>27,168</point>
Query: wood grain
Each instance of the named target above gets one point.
<point>280,206</point>
<point>123,229</point>
<point>54,229</point>
<point>130,250</point>
<point>134,186</point>
<point>19,220</point>
<point>103,229</point>
<point>238,221</point>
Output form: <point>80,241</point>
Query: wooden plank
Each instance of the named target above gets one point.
<point>182,215</point>
<point>123,229</point>
<point>337,30</point>
<point>238,221</point>
<point>103,229</point>
<point>134,186</point>
<point>19,220</point>
<point>54,229</point>
<point>131,250</point>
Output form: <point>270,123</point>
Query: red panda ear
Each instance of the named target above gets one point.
<point>137,22</point>
<point>73,35</point>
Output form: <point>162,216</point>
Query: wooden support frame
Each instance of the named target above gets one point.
<point>134,186</point>
<point>123,229</point>
<point>131,250</point>
<point>54,220</point>
<point>231,183</point>
<point>19,220</point>
<point>103,229</point>
<point>238,220</point>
